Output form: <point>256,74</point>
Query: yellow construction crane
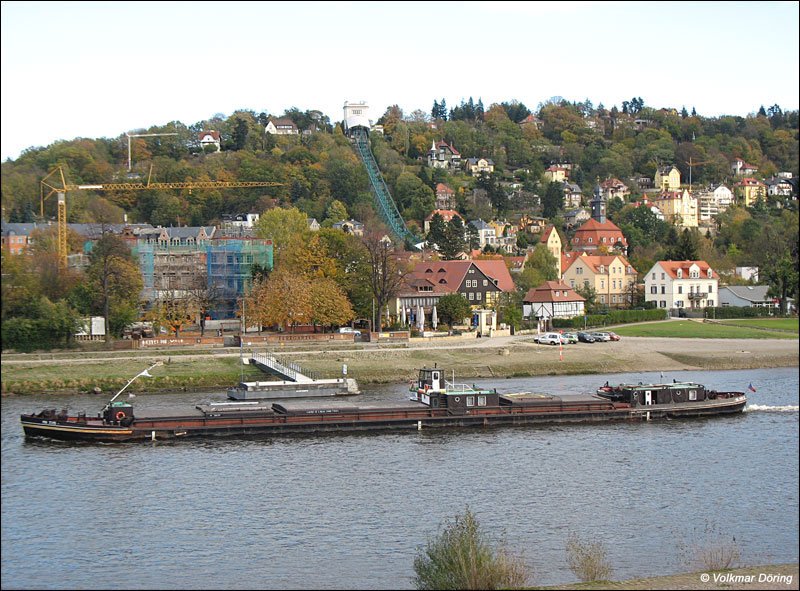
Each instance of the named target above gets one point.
<point>49,187</point>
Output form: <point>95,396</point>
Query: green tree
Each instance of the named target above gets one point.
<point>336,212</point>
<point>453,242</point>
<point>452,309</point>
<point>114,279</point>
<point>282,226</point>
<point>463,557</point>
<point>553,200</point>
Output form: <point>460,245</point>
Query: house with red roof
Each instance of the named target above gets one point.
<point>749,190</point>
<point>445,197</point>
<point>611,276</point>
<point>739,167</point>
<point>444,155</point>
<point>613,188</point>
<point>209,138</point>
<point>552,299</point>
<point>682,284</point>
<point>595,237</point>
<point>480,282</point>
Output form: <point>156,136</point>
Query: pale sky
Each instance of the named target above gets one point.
<point>99,69</point>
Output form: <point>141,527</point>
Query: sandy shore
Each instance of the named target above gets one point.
<point>520,357</point>
<point>780,576</point>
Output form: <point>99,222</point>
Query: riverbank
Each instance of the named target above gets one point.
<point>779,576</point>
<point>496,358</point>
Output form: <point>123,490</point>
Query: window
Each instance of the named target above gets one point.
<point>481,400</point>
<point>485,283</point>
<point>663,289</point>
<point>662,277</point>
<point>470,401</point>
<point>478,295</point>
<point>653,289</point>
<point>572,283</point>
<point>662,304</point>
<point>654,276</point>
<point>579,270</point>
<point>710,303</point>
<point>679,303</point>
<point>602,299</point>
<point>679,273</point>
<point>680,289</point>
<point>603,284</point>
<point>471,296</point>
<point>710,274</point>
<point>710,288</point>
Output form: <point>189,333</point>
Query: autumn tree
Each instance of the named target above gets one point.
<point>282,300</point>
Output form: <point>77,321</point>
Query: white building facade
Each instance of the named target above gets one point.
<point>682,285</point>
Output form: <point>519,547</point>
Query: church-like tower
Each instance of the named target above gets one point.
<point>598,204</point>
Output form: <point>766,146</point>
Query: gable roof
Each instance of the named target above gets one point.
<point>443,189</point>
<point>447,276</point>
<point>553,291</point>
<point>496,269</point>
<point>751,293</point>
<point>671,268</point>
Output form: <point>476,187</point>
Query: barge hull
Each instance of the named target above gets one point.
<point>401,418</point>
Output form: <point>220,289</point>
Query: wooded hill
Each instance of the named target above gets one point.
<point>321,175</point>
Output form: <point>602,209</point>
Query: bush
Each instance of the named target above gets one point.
<point>587,560</point>
<point>462,558</point>
<point>710,549</point>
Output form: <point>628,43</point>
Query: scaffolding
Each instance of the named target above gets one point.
<point>220,268</point>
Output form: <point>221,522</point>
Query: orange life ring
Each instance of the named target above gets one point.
<point>120,415</point>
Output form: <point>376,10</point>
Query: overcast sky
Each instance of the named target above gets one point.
<point>99,69</point>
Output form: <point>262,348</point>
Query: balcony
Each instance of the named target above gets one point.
<point>698,295</point>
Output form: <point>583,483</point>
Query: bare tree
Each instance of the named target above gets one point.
<point>384,271</point>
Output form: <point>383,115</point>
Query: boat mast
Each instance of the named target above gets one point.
<point>133,379</point>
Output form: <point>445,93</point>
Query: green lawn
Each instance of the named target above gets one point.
<point>707,330</point>
<point>790,324</point>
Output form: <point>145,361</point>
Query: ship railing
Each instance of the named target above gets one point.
<point>453,387</point>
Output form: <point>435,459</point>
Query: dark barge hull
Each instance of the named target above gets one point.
<point>268,421</point>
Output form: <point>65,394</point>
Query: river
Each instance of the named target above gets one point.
<point>353,510</point>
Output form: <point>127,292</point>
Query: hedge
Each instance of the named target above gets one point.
<point>612,317</point>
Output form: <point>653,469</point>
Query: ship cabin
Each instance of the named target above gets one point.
<point>434,390</point>
<point>649,394</point>
<point>118,413</point>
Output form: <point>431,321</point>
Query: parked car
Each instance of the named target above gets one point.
<point>614,336</point>
<point>570,337</point>
<point>585,337</point>
<point>601,336</point>
<point>349,330</point>
<point>549,338</point>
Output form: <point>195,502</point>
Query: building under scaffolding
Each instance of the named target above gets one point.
<point>214,272</point>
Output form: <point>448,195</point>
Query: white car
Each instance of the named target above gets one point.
<point>349,330</point>
<point>550,338</point>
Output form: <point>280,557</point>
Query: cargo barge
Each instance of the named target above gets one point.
<point>439,404</point>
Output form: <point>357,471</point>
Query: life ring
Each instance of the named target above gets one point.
<point>120,415</point>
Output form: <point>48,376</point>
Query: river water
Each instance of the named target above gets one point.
<point>353,510</point>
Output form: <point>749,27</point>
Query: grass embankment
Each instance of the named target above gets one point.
<point>744,328</point>
<point>671,346</point>
<point>177,373</point>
